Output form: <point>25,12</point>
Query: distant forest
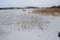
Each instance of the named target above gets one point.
<point>28,7</point>
<point>55,6</point>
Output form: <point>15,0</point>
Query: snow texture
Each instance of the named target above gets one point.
<point>19,25</point>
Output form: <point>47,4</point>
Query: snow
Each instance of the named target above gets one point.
<point>11,29</point>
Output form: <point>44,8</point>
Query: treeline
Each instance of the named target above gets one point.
<point>10,8</point>
<point>28,7</point>
<point>55,6</point>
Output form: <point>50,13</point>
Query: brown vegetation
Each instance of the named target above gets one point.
<point>48,11</point>
<point>54,11</point>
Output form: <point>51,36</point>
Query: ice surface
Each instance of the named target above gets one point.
<point>37,27</point>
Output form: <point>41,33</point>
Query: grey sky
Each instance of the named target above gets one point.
<point>22,3</point>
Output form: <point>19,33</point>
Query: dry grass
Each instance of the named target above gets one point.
<point>33,23</point>
<point>53,12</point>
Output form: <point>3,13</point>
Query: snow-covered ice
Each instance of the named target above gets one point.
<point>19,25</point>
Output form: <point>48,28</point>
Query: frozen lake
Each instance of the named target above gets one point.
<point>22,25</point>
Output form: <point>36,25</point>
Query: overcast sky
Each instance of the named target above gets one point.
<point>23,3</point>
